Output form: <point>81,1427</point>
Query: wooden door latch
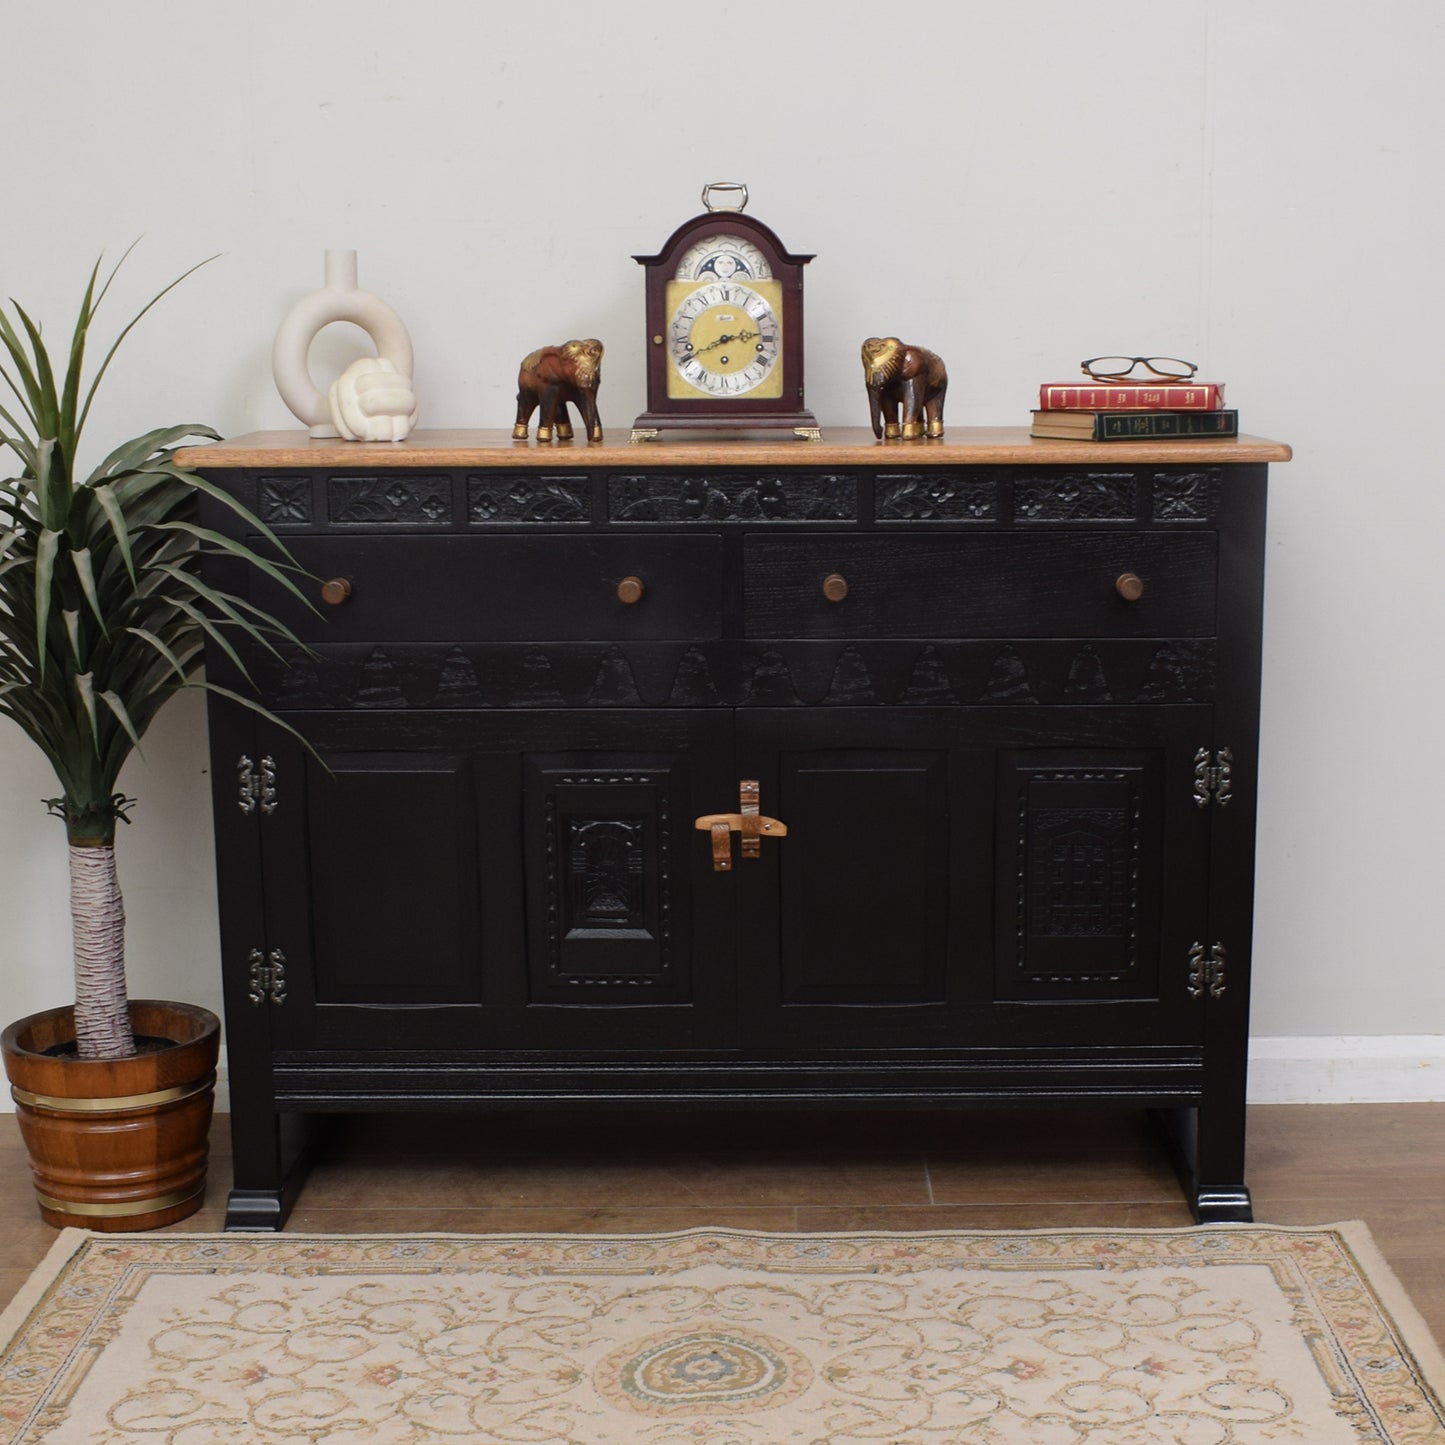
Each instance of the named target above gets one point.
<point>749,823</point>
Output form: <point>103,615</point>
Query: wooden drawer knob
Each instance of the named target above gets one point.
<point>835,587</point>
<point>629,590</point>
<point>336,591</point>
<point>1129,586</point>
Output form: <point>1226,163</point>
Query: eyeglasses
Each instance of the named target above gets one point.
<point>1117,368</point>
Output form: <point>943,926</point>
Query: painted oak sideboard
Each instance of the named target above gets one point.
<point>735,774</point>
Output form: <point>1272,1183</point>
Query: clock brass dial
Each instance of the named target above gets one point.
<point>724,340</point>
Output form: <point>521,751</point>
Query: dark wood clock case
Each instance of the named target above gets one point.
<point>666,412</point>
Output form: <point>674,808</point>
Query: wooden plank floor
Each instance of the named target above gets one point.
<point>990,1169</point>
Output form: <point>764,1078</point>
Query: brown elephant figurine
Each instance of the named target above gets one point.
<point>554,376</point>
<point>908,376</point>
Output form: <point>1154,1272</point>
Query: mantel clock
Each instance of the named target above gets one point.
<point>724,325</point>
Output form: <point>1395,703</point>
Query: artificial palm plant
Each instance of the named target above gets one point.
<point>103,618</point>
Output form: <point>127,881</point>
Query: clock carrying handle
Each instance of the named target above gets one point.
<point>733,186</point>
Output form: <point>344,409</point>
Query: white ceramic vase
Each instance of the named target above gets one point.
<point>340,299</point>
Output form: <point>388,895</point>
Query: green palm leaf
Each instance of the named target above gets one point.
<point>129,455</point>
<point>103,612</point>
<point>45,553</point>
<point>114,513</point>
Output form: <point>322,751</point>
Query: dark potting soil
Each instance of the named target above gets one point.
<point>144,1044</point>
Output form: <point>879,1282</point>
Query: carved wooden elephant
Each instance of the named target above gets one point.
<point>551,378</point>
<point>904,376</point>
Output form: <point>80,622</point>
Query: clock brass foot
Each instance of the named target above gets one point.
<point>809,433</point>
<point>644,433</point>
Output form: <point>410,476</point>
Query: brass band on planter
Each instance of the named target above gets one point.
<point>118,1211</point>
<point>118,1105</point>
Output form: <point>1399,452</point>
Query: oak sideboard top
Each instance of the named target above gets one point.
<point>841,446</point>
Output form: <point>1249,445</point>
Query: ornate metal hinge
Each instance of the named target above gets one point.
<point>1206,971</point>
<point>258,789</point>
<point>267,976</point>
<point>1213,777</point>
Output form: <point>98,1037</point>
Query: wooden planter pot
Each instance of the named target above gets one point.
<point>119,1143</point>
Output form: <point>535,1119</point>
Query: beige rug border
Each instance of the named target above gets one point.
<point>1390,1295</point>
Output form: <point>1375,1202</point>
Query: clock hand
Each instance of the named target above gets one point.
<point>725,337</point>
<point>719,342</point>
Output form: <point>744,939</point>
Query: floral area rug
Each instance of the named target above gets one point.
<point>1213,1336</point>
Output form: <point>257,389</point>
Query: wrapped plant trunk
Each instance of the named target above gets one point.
<point>103,618</point>
<point>97,914</point>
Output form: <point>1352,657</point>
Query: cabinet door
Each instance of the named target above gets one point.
<point>496,881</point>
<point>982,877</point>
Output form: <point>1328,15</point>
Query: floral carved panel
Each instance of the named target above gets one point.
<point>403,500</point>
<point>794,497</point>
<point>936,496</point>
<point>1078,497</point>
<point>499,500</point>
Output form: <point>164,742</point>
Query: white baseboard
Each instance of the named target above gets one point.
<point>1348,1069</point>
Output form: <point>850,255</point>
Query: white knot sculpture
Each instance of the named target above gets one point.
<point>364,416</point>
<point>371,401</point>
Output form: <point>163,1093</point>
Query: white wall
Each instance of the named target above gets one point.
<point>1253,185</point>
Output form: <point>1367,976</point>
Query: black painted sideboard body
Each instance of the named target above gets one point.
<point>1019,803</point>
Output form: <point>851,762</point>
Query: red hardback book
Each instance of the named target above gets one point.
<point>1069,396</point>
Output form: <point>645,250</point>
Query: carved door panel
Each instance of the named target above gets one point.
<point>499,881</point>
<point>1100,875</point>
<point>964,877</point>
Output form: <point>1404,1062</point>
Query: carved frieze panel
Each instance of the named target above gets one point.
<point>399,500</point>
<point>496,499</point>
<point>615,684</point>
<point>1077,497</point>
<point>852,684</point>
<point>936,496</point>
<point>717,497</point>
<point>1187,496</point>
<point>283,501</point>
<point>380,685</point>
<point>732,674</point>
<point>1183,671</point>
<point>929,682</point>
<point>1087,682</point>
<point>1008,679</point>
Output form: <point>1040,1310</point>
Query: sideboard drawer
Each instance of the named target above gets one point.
<point>997,586</point>
<point>511,589</point>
